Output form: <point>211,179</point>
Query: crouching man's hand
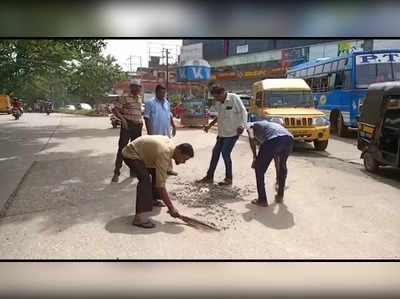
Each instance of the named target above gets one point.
<point>174,212</point>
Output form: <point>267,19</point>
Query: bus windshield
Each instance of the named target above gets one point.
<point>289,99</point>
<point>374,73</point>
<point>376,67</point>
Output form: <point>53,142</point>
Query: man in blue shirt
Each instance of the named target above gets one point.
<point>275,142</point>
<point>158,117</point>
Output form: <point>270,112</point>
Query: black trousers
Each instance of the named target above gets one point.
<point>280,148</point>
<point>146,191</point>
<point>125,136</point>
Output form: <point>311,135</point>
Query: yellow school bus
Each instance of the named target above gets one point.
<point>5,103</point>
<point>290,103</point>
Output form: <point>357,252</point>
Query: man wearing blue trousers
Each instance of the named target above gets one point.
<point>275,143</point>
<point>232,118</point>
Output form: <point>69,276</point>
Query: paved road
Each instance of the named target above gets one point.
<point>64,206</point>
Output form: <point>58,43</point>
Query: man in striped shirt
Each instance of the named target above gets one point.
<point>128,109</point>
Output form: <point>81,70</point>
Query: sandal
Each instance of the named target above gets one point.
<point>260,203</point>
<point>147,224</point>
<point>158,203</point>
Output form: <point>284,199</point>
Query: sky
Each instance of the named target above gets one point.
<point>139,50</point>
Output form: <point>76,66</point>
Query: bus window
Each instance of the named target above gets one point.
<point>318,69</point>
<point>324,84</point>
<point>327,67</point>
<point>384,72</point>
<point>396,71</point>
<point>347,79</point>
<point>341,65</point>
<point>259,99</point>
<point>310,71</point>
<point>339,80</point>
<point>331,83</point>
<point>334,66</point>
<point>315,84</point>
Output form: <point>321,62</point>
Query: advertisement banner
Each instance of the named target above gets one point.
<point>193,73</point>
<point>191,52</point>
<point>292,57</point>
<point>194,108</point>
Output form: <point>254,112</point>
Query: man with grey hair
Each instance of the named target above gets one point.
<point>128,109</point>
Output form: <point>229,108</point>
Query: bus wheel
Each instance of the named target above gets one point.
<point>370,163</point>
<point>341,128</point>
<point>320,145</point>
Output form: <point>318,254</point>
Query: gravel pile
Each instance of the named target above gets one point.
<point>212,199</point>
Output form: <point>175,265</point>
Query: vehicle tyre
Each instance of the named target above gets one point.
<point>370,163</point>
<point>342,130</point>
<point>320,145</point>
<point>114,125</point>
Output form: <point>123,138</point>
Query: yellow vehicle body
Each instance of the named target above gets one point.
<point>305,123</point>
<point>5,103</point>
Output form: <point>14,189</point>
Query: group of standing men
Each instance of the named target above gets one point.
<point>150,157</point>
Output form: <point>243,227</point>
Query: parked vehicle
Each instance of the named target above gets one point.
<point>115,121</point>
<point>379,126</point>
<point>289,102</point>
<point>340,84</point>
<point>84,106</point>
<point>70,107</point>
<point>178,111</point>
<point>246,101</point>
<point>5,104</point>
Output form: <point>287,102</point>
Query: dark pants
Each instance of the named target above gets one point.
<point>146,191</point>
<point>279,147</point>
<point>125,136</point>
<point>225,146</point>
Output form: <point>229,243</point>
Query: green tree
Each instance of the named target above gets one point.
<point>95,77</point>
<point>63,69</point>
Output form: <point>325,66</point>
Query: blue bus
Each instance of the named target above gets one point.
<point>339,85</point>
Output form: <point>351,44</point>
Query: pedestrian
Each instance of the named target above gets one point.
<point>275,142</point>
<point>152,156</point>
<point>128,109</point>
<point>231,118</point>
<point>158,117</point>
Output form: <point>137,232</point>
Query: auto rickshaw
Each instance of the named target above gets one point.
<point>379,126</point>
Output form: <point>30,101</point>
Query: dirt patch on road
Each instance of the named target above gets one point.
<point>212,199</point>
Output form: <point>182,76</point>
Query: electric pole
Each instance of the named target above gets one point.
<point>166,60</point>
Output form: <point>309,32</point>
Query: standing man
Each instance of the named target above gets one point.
<point>231,118</point>
<point>158,117</point>
<point>152,155</point>
<point>275,142</point>
<point>128,109</point>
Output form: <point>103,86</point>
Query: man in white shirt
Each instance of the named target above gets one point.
<point>232,119</point>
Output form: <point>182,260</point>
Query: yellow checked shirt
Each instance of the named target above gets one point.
<point>130,107</point>
<point>155,151</point>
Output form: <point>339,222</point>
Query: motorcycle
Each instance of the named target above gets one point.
<point>115,121</point>
<point>16,113</point>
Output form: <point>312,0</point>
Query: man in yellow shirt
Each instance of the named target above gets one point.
<point>153,155</point>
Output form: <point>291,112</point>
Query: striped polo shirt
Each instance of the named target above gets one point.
<point>130,107</point>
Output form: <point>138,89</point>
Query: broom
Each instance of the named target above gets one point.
<point>195,222</point>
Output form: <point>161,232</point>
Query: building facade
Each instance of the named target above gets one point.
<point>237,64</point>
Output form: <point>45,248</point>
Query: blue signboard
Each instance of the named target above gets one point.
<point>194,73</point>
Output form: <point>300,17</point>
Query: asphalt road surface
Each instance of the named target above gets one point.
<point>56,200</point>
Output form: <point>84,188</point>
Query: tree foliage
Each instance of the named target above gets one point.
<point>64,70</point>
